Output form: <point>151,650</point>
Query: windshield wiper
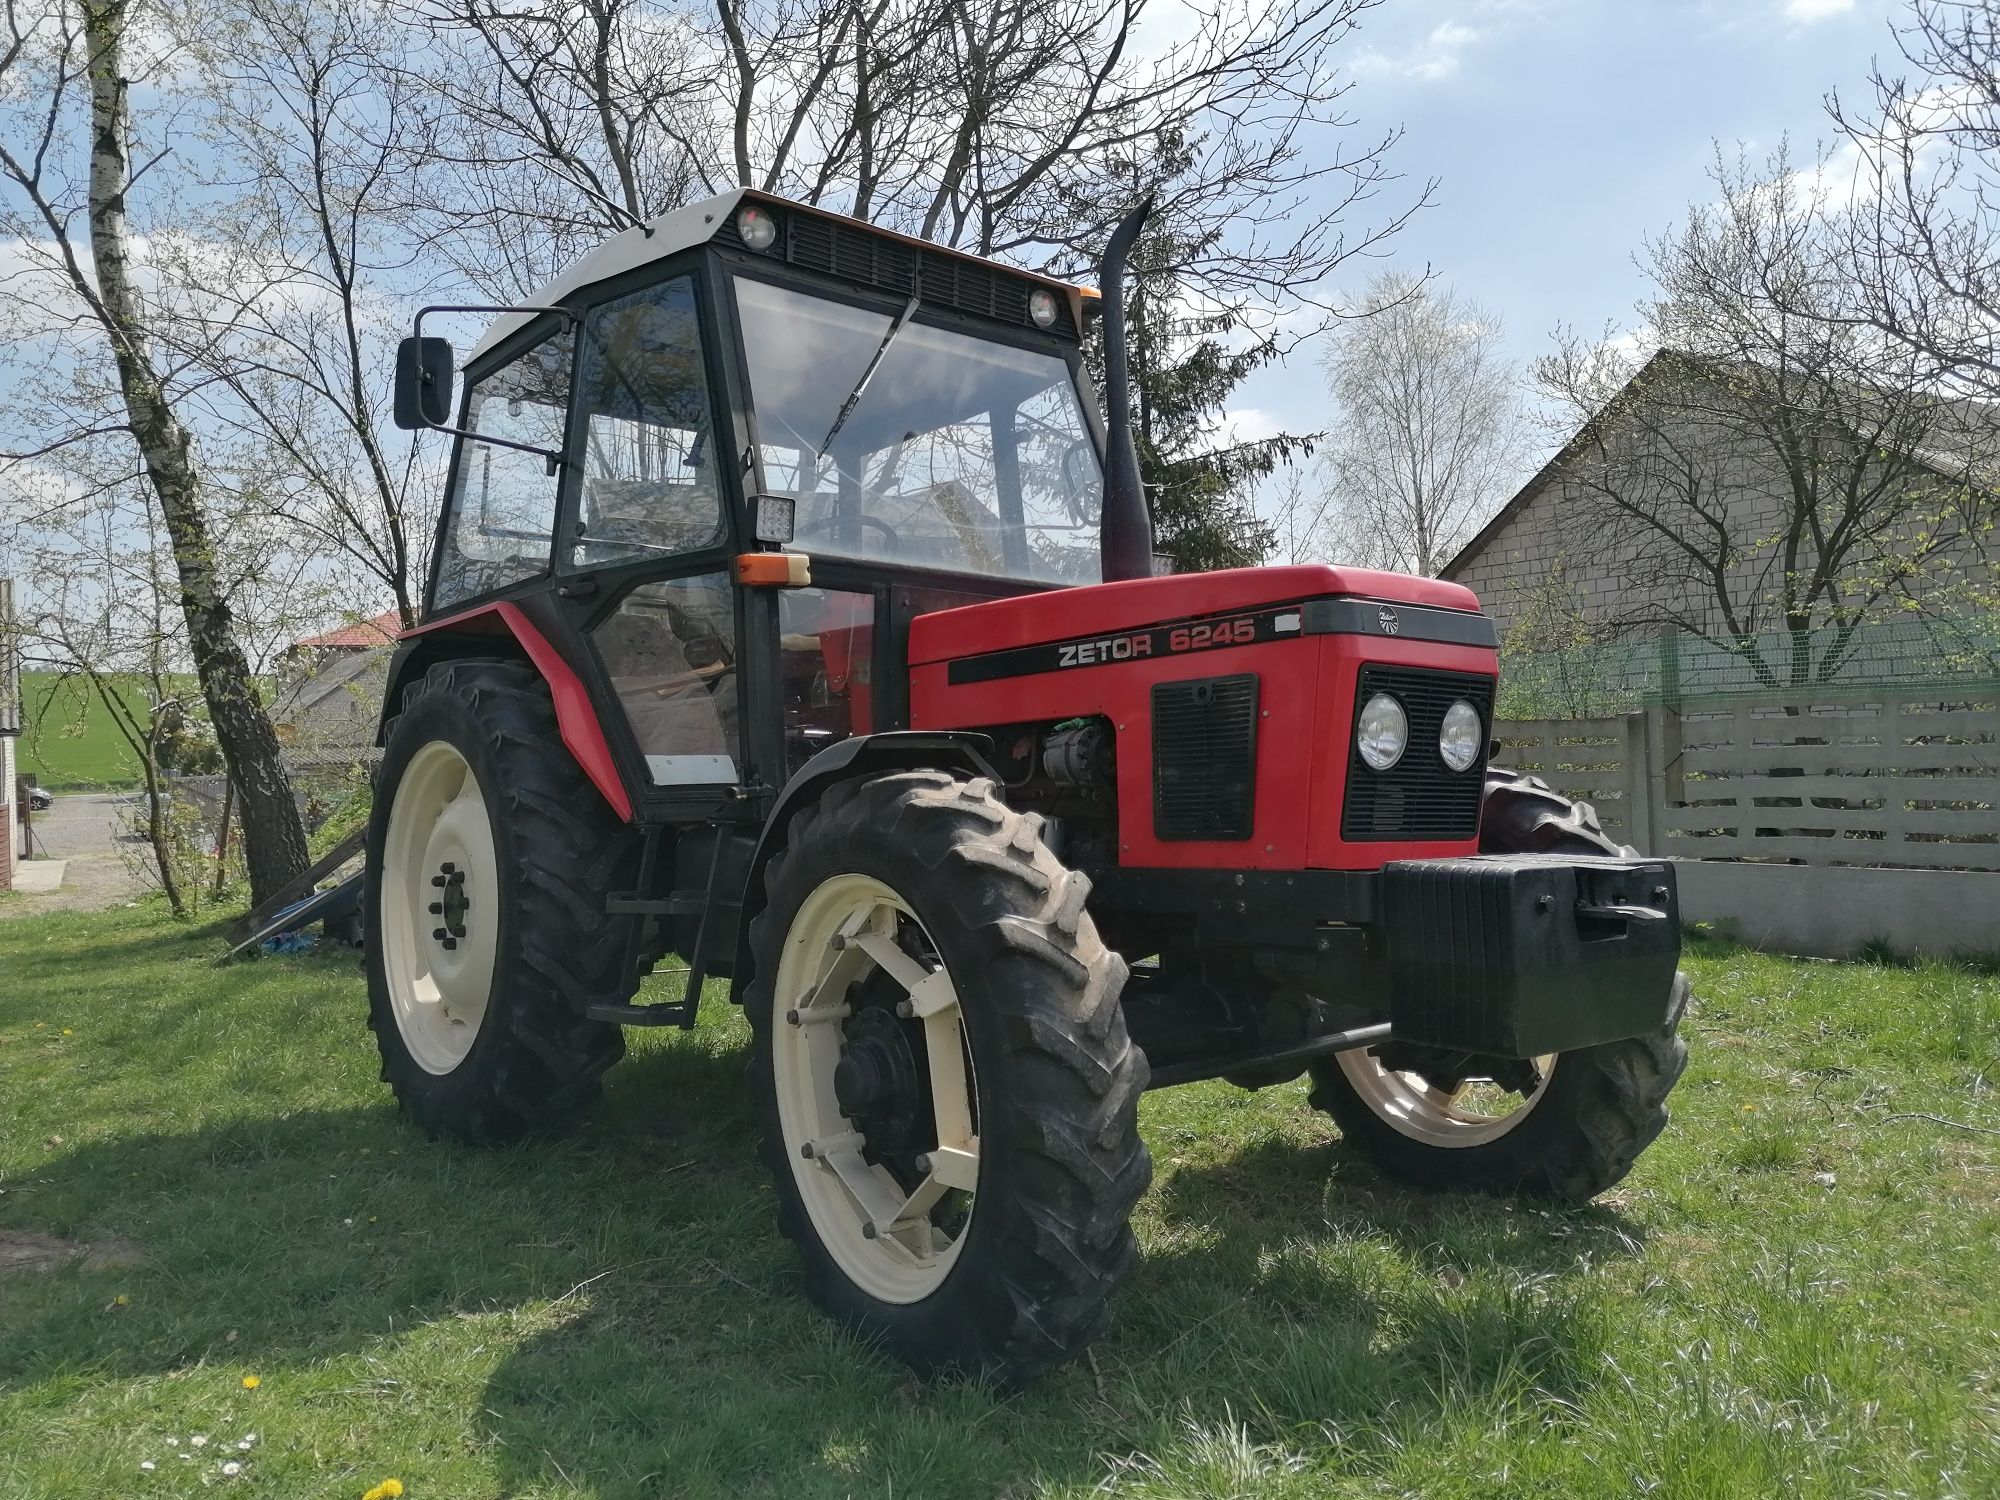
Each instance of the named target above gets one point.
<point>854,396</point>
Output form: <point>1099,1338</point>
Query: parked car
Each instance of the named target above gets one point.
<point>40,798</point>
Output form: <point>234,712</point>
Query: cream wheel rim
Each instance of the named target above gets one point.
<point>1475,1112</point>
<point>440,906</point>
<point>883,1233</point>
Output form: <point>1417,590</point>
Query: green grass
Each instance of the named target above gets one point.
<point>70,741</point>
<point>615,1315</point>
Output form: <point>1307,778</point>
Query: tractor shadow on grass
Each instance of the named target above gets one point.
<point>656,1341</point>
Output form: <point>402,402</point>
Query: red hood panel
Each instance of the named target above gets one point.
<point>1139,602</point>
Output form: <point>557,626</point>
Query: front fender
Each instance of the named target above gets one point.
<point>861,756</point>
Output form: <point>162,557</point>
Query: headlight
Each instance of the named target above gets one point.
<point>1458,741</point>
<point>758,228</point>
<point>1042,307</point>
<point>1383,731</point>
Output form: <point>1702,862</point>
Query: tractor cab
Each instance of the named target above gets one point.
<point>747,445</point>
<point>794,616</point>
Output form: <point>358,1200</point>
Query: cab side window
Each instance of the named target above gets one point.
<point>502,507</point>
<point>649,471</point>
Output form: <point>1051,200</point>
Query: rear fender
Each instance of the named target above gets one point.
<point>502,629</point>
<point>864,755</point>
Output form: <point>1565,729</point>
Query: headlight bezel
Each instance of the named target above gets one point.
<point>1471,744</point>
<point>1364,736</point>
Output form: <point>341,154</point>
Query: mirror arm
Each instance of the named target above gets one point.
<point>554,459</point>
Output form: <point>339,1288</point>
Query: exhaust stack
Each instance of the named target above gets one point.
<point>1126,535</point>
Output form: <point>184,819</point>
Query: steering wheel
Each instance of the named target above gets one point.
<point>827,523</point>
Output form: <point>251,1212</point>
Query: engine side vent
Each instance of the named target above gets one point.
<point>1205,757</point>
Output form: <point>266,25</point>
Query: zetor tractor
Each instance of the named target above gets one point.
<point>793,612</point>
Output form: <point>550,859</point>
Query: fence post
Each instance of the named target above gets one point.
<point>1640,829</point>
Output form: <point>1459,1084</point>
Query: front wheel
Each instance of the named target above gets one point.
<point>949,1096</point>
<point>1567,1125</point>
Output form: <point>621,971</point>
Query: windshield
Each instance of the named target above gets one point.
<point>914,444</point>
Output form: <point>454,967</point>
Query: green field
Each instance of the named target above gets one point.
<point>68,741</point>
<point>1795,1294</point>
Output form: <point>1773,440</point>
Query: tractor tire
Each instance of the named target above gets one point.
<point>489,857</point>
<point>1026,1098</point>
<point>1594,1110</point>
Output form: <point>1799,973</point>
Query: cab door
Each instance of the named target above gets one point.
<point>648,524</point>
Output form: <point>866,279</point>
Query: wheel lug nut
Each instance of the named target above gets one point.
<point>868,1230</point>
<point>438,935</point>
<point>792,1019</point>
<point>924,1163</point>
<point>807,1150</point>
<point>451,943</point>
<point>448,867</point>
<point>905,1009</point>
<point>437,908</point>
<point>438,881</point>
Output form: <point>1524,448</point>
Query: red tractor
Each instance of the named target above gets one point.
<point>794,612</point>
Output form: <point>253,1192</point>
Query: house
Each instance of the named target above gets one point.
<point>310,654</point>
<point>1729,500</point>
<point>330,690</point>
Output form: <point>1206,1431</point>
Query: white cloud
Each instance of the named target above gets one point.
<point>1248,424</point>
<point>1435,57</point>
<point>1805,12</point>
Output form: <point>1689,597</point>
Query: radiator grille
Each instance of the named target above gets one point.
<point>1419,797</point>
<point>1205,757</point>
<point>858,254</point>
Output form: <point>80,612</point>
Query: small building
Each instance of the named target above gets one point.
<point>1682,501</point>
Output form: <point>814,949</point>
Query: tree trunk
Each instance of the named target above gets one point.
<point>274,837</point>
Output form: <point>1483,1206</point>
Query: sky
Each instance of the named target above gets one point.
<point>1562,134</point>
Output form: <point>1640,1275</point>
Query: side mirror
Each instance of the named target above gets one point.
<point>423,383</point>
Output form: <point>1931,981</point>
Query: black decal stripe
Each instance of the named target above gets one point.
<point>1414,622</point>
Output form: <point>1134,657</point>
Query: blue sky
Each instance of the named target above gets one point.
<point>1563,132</point>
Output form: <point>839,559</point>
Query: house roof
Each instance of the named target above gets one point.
<point>365,635</point>
<point>1961,425</point>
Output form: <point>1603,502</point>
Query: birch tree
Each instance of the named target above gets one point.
<point>78,103</point>
<point>1426,435</point>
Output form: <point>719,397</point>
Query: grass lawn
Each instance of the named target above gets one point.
<point>71,742</point>
<point>1796,1294</point>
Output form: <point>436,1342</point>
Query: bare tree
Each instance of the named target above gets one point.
<point>1772,465</point>
<point>1426,432</point>
<point>76,103</point>
<point>1005,127</point>
<point>1923,239</point>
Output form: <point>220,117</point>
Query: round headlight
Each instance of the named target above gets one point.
<point>1383,731</point>
<point>1042,307</point>
<point>758,229</point>
<point>1458,740</point>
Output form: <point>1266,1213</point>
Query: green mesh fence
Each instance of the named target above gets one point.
<point>1919,653</point>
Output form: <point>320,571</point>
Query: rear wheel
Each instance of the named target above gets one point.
<point>949,1096</point>
<point>1567,1125</point>
<point>489,857</point>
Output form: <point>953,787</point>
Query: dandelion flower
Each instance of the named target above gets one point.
<point>147,1464</point>
<point>231,1470</point>
<point>197,1441</point>
<point>388,1489</point>
<point>68,1032</point>
<point>251,1382</point>
<point>121,1300</point>
<point>247,1442</point>
<point>1749,1109</point>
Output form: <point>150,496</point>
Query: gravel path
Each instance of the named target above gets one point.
<point>88,830</point>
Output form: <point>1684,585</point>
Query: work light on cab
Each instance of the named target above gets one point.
<point>1042,307</point>
<point>758,229</point>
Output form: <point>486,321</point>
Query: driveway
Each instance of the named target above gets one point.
<point>105,864</point>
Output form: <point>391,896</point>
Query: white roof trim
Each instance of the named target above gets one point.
<point>673,231</point>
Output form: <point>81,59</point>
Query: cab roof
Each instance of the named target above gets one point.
<point>696,224</point>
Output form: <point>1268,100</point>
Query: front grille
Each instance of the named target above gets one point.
<point>1419,797</point>
<point>856,253</point>
<point>1205,757</point>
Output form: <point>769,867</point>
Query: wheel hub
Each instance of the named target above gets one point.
<point>878,1084</point>
<point>452,905</point>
